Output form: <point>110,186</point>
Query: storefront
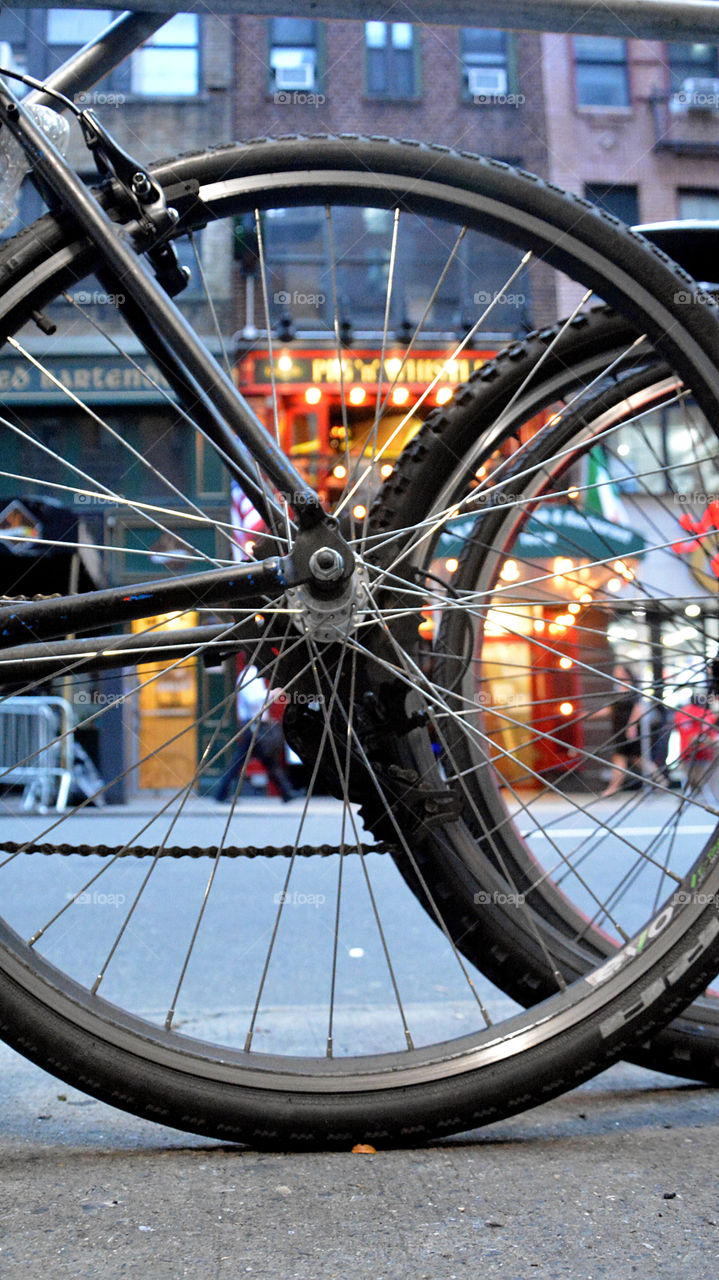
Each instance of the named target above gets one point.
<point>62,529</point>
<point>327,409</point>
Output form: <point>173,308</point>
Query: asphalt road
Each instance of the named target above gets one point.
<point>615,1180</point>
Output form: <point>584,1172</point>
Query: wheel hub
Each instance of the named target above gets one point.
<point>329,618</point>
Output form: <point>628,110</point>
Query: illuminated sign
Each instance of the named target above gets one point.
<point>323,369</point>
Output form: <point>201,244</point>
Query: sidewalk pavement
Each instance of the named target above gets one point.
<point>616,1180</point>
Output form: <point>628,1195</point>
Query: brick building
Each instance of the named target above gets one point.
<point>468,88</point>
<point>174,94</point>
<point>634,125</point>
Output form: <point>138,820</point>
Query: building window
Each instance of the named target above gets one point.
<point>293,54</point>
<point>391,60</point>
<point>601,70</point>
<point>166,66</point>
<point>691,62</point>
<point>615,198</point>
<point>485,62</point>
<point>703,205</point>
<point>302,283</point>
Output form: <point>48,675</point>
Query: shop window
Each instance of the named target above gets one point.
<point>293,54</point>
<point>391,51</point>
<point>485,59</point>
<point>617,198</point>
<point>602,72</point>
<point>691,61</point>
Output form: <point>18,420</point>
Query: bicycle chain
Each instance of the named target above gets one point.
<point>193,851</point>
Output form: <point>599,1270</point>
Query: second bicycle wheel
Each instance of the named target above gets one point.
<point>159,966</point>
<point>553,607</point>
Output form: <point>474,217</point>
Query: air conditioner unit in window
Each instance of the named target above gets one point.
<point>698,93</point>
<point>486,82</point>
<point>300,77</point>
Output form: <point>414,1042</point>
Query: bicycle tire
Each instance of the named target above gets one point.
<point>404,1096</point>
<point>687,1047</point>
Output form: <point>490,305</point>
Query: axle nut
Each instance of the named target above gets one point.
<point>326,564</point>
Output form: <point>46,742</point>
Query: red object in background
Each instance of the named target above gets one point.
<point>698,734</point>
<point>703,528</point>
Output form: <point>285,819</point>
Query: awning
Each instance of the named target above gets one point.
<point>558,529</point>
<point>45,548</point>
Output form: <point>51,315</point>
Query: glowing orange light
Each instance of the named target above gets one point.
<point>357,395</point>
<point>586,597</point>
<point>313,395</point>
<point>573,608</point>
<point>400,395</point>
<point>451,565</point>
<point>564,620</point>
<point>566,708</point>
<point>509,571</point>
<point>443,395</point>
<point>386,470</point>
<point>539,626</point>
<point>359,512</point>
<point>340,471</point>
<point>565,663</point>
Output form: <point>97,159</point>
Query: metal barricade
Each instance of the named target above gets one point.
<point>36,749</point>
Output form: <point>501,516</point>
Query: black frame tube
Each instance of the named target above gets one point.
<point>248,583</point>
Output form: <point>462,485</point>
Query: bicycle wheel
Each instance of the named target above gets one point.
<point>625,411</point>
<point>189,987</point>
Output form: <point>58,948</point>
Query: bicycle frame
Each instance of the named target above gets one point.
<point>226,418</point>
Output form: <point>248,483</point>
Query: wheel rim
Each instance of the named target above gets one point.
<point>242,193</point>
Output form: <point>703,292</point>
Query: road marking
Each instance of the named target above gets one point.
<point>576,833</point>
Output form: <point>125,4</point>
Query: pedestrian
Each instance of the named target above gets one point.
<point>626,712</point>
<point>260,736</point>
